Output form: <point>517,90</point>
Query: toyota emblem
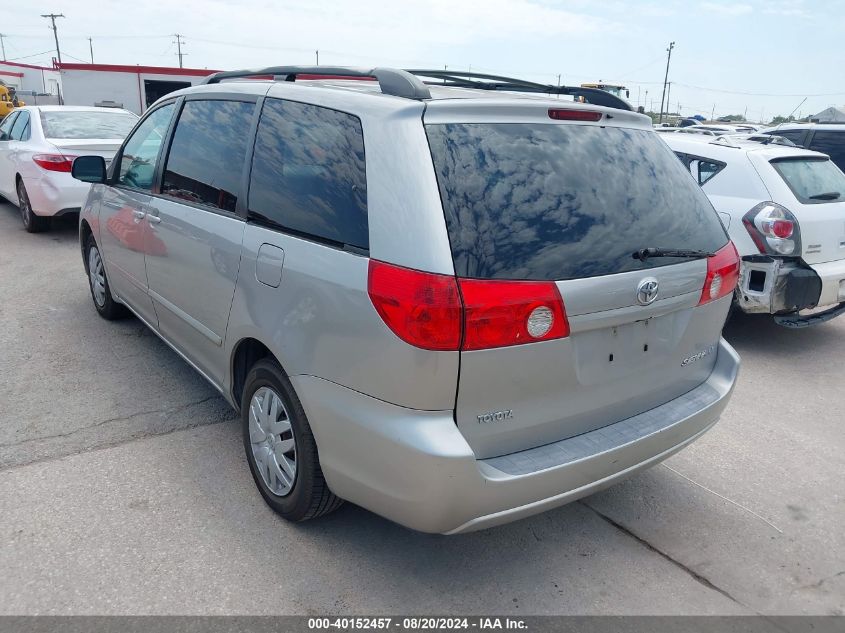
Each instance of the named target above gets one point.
<point>647,291</point>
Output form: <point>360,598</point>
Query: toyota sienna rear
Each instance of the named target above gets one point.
<point>454,307</point>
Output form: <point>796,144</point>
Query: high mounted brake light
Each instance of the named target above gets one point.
<point>441,312</point>
<point>559,114</point>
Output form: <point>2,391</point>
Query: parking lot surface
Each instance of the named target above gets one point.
<point>124,489</point>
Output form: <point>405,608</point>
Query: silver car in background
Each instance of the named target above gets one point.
<point>453,307</point>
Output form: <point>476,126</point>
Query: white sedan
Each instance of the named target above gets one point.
<point>37,148</point>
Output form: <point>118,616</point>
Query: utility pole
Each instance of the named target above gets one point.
<point>178,47</point>
<point>91,48</point>
<point>666,79</point>
<point>3,46</point>
<point>668,107</point>
<point>53,17</point>
<point>317,52</point>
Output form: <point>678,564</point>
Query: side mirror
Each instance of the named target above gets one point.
<point>89,169</point>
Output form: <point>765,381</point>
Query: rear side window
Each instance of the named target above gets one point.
<point>206,157</point>
<point>796,136</point>
<point>70,124</point>
<point>6,126</point>
<point>832,144</point>
<point>308,173</point>
<point>20,130</point>
<point>555,202</point>
<point>813,181</point>
<point>702,169</point>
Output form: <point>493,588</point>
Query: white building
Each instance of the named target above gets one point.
<point>132,87</point>
<point>28,79</point>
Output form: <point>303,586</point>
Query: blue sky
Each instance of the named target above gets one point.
<point>765,56</point>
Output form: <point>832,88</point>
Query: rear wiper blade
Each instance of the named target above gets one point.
<point>644,253</point>
<point>830,195</point>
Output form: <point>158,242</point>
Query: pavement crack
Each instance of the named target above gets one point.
<point>689,571</point>
<point>125,418</point>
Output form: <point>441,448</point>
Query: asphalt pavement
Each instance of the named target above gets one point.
<point>124,490</point>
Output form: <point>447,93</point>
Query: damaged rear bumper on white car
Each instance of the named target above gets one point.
<point>783,287</point>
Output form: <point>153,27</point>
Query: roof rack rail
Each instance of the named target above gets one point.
<point>392,81</point>
<point>497,82</point>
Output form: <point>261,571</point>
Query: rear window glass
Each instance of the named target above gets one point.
<point>813,181</point>
<point>554,202</point>
<point>86,124</point>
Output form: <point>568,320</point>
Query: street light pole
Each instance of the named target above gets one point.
<point>666,79</point>
<point>91,48</point>
<point>53,17</point>
<point>3,46</point>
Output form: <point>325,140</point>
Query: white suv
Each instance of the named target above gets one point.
<point>784,208</point>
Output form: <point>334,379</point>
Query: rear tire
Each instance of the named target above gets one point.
<point>31,222</point>
<point>98,283</point>
<point>280,447</point>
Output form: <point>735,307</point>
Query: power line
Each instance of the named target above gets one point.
<point>14,59</point>
<point>53,17</point>
<point>760,94</point>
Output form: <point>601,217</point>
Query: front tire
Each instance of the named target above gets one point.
<point>31,222</point>
<point>280,446</point>
<point>104,303</point>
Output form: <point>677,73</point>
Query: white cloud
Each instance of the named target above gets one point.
<point>727,9</point>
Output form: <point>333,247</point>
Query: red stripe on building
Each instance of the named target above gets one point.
<point>149,70</point>
<point>25,65</point>
<point>7,74</point>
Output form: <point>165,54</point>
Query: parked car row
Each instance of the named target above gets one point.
<point>454,312</point>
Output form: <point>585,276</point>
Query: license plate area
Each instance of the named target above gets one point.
<point>606,354</point>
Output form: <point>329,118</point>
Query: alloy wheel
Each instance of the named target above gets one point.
<point>97,276</point>
<point>23,205</point>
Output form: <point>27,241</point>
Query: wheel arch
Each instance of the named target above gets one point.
<point>245,353</point>
<point>84,232</point>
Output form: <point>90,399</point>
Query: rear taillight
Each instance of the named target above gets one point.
<point>774,229</point>
<point>422,309</point>
<point>722,274</point>
<point>54,162</point>
<point>560,114</point>
<point>502,313</point>
<point>440,312</point>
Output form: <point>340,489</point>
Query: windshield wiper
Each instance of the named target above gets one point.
<point>830,195</point>
<point>644,253</point>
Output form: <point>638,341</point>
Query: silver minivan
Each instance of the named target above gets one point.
<point>449,301</point>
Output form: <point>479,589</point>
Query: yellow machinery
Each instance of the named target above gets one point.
<point>8,99</point>
<point>614,89</point>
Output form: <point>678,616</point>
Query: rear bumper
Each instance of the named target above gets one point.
<point>415,468</point>
<point>56,194</point>
<point>771,285</point>
<point>832,275</point>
